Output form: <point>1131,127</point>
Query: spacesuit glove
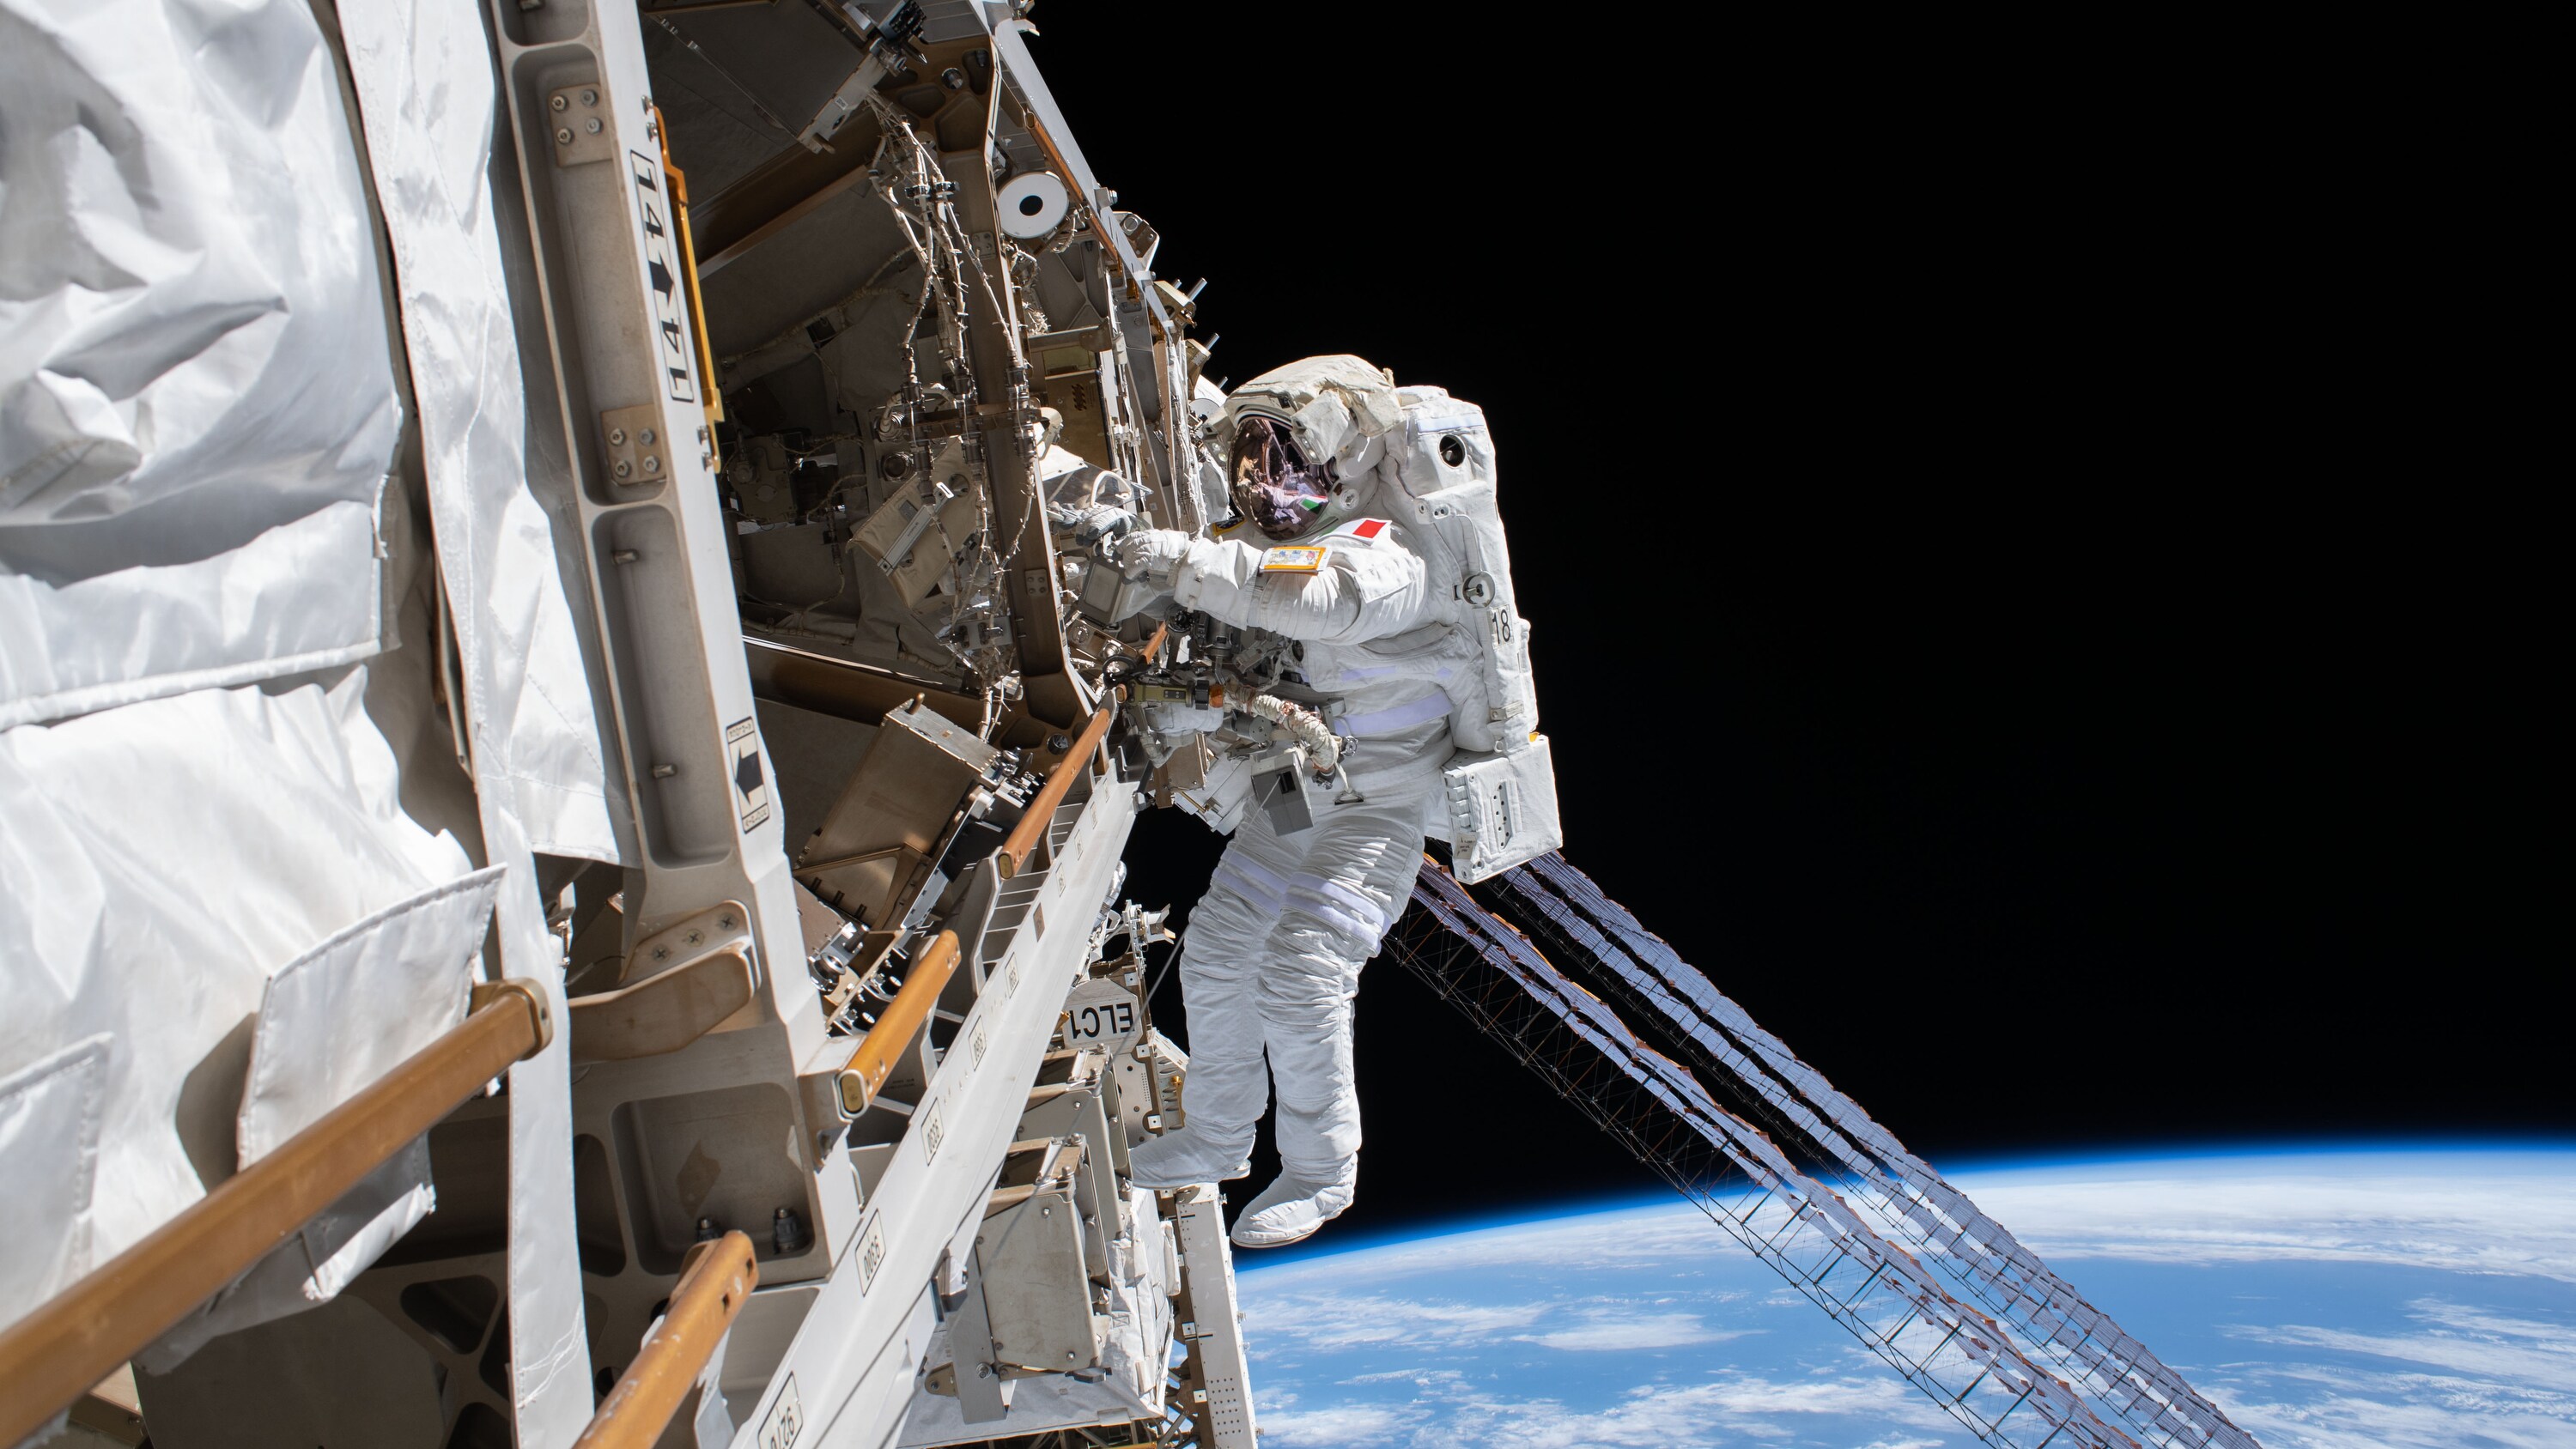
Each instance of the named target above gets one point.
<point>1152,554</point>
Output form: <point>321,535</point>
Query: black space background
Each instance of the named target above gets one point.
<point>2028,589</point>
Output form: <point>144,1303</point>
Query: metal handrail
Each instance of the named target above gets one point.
<point>1024,836</point>
<point>79,1336</point>
<point>874,1059</point>
<point>715,1281</point>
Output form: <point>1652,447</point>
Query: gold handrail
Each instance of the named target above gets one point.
<point>874,1060</point>
<point>79,1336</point>
<point>715,1281</point>
<point>1024,836</point>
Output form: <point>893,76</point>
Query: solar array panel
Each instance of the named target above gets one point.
<point>1901,1194</point>
<point>1955,1355</point>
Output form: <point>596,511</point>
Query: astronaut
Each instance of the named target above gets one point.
<point>1320,554</point>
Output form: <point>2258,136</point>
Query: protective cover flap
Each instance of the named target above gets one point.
<point>197,402</point>
<point>333,1022</point>
<point>149,885</point>
<point>49,1126</point>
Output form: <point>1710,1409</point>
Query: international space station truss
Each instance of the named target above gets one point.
<point>1861,1227</point>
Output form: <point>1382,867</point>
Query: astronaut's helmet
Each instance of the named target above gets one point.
<point>1305,438</point>
<point>1273,483</point>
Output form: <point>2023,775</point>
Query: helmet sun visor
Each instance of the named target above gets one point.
<point>1273,483</point>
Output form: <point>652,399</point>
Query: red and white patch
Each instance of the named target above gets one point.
<point>1361,528</point>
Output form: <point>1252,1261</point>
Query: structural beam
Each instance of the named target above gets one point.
<point>714,1284</point>
<point>1024,836</point>
<point>53,1355</point>
<point>875,1057</point>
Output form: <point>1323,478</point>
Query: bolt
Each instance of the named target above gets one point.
<point>652,463</point>
<point>645,437</point>
<point>592,125</point>
<point>560,103</point>
<point>563,136</point>
<point>589,97</point>
<point>623,468</point>
<point>617,437</point>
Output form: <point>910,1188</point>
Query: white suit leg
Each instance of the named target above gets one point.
<point>1352,877</point>
<point>1224,1094</point>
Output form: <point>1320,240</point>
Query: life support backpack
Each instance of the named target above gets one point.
<point>1499,790</point>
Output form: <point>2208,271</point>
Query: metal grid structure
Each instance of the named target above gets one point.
<point>1956,1356</point>
<point>1902,1195</point>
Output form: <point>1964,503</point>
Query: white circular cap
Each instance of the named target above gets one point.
<point>1032,204</point>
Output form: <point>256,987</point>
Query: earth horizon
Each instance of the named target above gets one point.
<point>2418,1296</point>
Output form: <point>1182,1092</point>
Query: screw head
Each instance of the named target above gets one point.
<point>623,468</point>
<point>590,97</point>
<point>563,136</point>
<point>560,103</point>
<point>647,437</point>
<point>652,463</point>
<point>592,125</point>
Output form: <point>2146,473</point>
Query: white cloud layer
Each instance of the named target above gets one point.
<point>2356,1208</point>
<point>1504,1337</point>
<point>1734,1409</point>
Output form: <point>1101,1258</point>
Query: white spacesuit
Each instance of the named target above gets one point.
<point>1324,555</point>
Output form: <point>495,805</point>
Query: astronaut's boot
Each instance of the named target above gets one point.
<point>1179,1159</point>
<point>1290,1209</point>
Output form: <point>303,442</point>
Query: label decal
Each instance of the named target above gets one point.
<point>750,779</point>
<point>871,1251</point>
<point>786,1419</point>
<point>662,274</point>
